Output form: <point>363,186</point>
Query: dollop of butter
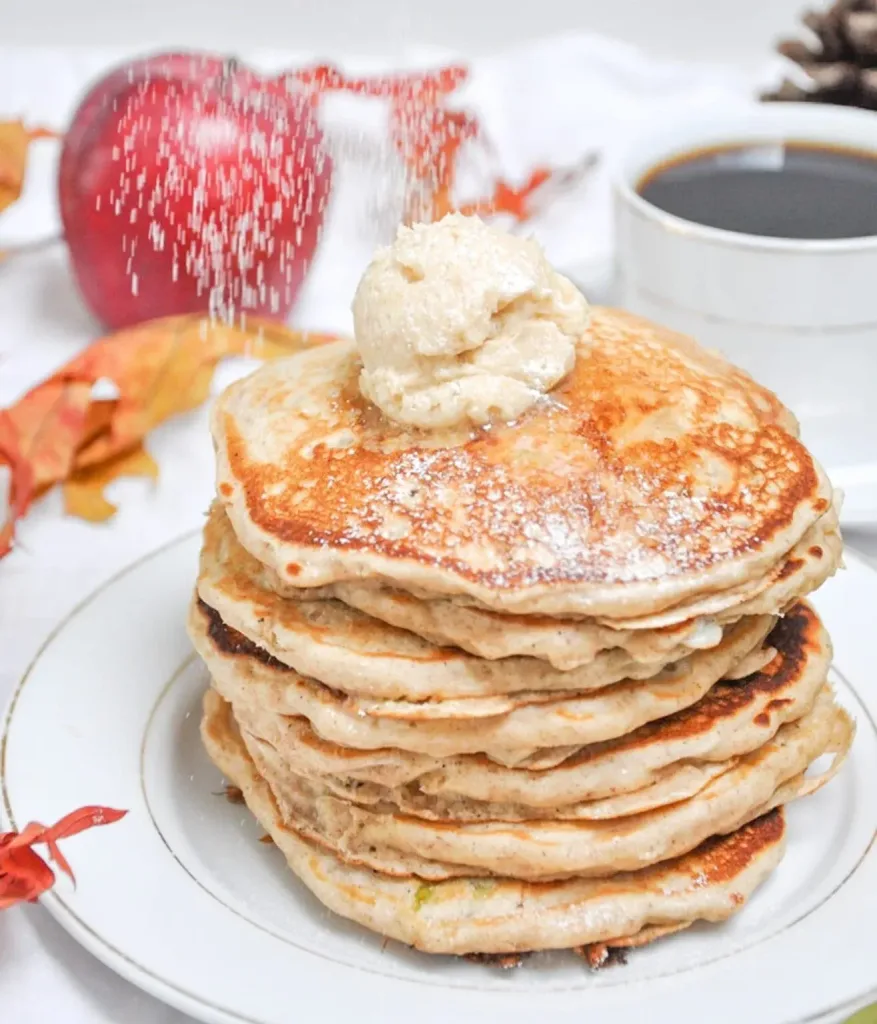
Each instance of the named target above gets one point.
<point>460,322</point>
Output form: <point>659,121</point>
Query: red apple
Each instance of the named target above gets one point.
<point>188,183</point>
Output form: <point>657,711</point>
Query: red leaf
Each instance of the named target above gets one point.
<point>428,139</point>
<point>59,859</point>
<point>506,199</point>
<point>425,87</point>
<point>24,875</point>
<point>79,821</point>
<point>426,135</point>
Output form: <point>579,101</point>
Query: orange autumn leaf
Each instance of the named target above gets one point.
<point>165,367</point>
<point>84,491</point>
<point>428,140</point>
<point>68,430</point>
<point>98,419</point>
<point>14,141</point>
<point>19,485</point>
<point>426,134</point>
<point>49,421</point>
<point>421,88</point>
<point>429,144</point>
<point>506,199</point>
<point>24,874</point>
<point>41,132</point>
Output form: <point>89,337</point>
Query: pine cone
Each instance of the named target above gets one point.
<point>840,63</point>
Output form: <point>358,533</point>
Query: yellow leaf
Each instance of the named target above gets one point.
<point>14,140</point>
<point>84,491</point>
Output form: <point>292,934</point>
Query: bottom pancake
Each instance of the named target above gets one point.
<point>503,915</point>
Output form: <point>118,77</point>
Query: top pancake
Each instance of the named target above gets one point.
<point>655,472</point>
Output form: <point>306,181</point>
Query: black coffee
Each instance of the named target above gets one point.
<point>782,189</point>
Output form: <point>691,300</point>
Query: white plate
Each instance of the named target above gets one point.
<point>181,898</point>
<point>846,445</point>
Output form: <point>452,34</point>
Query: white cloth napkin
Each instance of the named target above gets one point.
<point>547,103</point>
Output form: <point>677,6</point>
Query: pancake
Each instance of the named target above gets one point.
<point>732,719</point>
<point>478,915</point>
<point>807,566</point>
<point>567,643</point>
<point>751,664</point>
<point>506,844</point>
<point>564,643</point>
<point>227,568</point>
<point>351,651</point>
<point>675,783</point>
<point>248,677</point>
<point>653,474</point>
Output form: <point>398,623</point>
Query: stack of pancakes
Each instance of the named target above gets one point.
<point>539,685</point>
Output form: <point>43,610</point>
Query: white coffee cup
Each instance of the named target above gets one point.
<point>799,315</point>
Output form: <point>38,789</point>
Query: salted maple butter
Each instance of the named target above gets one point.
<point>459,322</point>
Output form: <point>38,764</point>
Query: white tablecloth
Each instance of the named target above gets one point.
<point>597,93</point>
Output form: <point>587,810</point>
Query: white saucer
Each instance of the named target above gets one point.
<point>181,898</point>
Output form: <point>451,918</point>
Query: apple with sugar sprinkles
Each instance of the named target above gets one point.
<point>190,183</point>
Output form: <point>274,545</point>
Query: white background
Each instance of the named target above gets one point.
<point>725,30</point>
